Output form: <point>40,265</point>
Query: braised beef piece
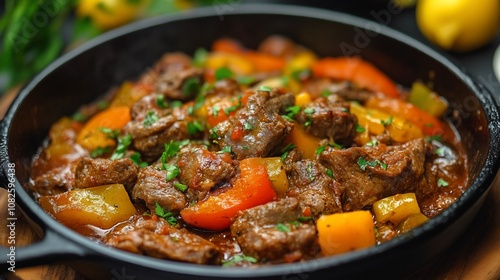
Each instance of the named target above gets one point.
<point>55,181</point>
<point>148,105</point>
<point>272,232</point>
<point>154,237</point>
<point>277,45</point>
<point>313,188</point>
<point>326,119</point>
<point>152,188</point>
<point>257,129</point>
<point>442,163</point>
<point>224,88</point>
<point>174,76</point>
<point>201,169</point>
<point>149,137</point>
<point>91,172</point>
<point>367,174</point>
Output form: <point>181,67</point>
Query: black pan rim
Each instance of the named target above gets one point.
<point>474,192</point>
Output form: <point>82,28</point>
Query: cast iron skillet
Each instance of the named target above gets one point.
<point>84,74</point>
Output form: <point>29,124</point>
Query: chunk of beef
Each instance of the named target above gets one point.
<point>325,119</point>
<point>149,139</point>
<point>257,129</point>
<point>147,104</point>
<point>156,238</point>
<point>98,171</point>
<point>201,169</point>
<point>152,188</point>
<point>55,181</point>
<point>367,174</point>
<point>314,189</point>
<point>271,232</point>
<point>279,46</point>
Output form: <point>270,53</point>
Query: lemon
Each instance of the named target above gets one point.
<point>108,14</point>
<point>458,25</point>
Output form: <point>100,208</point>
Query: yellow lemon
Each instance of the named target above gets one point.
<point>458,25</point>
<point>107,14</point>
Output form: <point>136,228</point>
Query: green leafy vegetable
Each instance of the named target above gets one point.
<point>223,73</point>
<point>237,259</point>
<point>168,216</point>
<point>150,119</point>
<point>121,148</point>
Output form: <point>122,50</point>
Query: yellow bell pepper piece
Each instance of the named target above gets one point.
<point>237,63</point>
<point>344,232</point>
<point>302,99</point>
<point>395,208</point>
<point>305,142</point>
<point>377,122</point>
<point>102,206</point>
<point>276,172</point>
<point>411,222</point>
<point>302,60</point>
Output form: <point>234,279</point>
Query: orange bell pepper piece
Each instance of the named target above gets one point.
<point>358,71</point>
<point>251,189</point>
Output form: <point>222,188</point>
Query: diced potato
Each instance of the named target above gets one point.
<point>102,206</point>
<point>411,222</point>
<point>344,232</point>
<point>395,208</point>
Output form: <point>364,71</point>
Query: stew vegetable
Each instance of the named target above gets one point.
<point>241,157</point>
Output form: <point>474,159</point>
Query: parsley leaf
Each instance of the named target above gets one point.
<point>264,88</point>
<point>110,133</point>
<point>359,128</point>
<point>180,186</point>
<point>191,86</point>
<point>161,102</point>
<point>150,119</point>
<point>168,216</point>
<point>226,149</point>
<point>291,112</point>
<point>282,227</point>
<point>200,57</point>
<point>442,183</point>
<point>248,126</point>
<point>286,150</point>
<point>121,148</point>
<point>329,172</point>
<point>136,158</point>
<point>387,122</point>
<point>238,258</point>
<point>245,80</point>
<point>99,152</point>
<point>194,127</point>
<point>223,73</point>
<point>172,171</point>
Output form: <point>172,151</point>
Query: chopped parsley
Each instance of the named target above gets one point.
<point>372,143</point>
<point>434,138</point>
<point>264,88</point>
<point>172,171</point>
<point>223,73</point>
<point>440,151</point>
<point>99,152</point>
<point>359,128</point>
<point>329,172</point>
<point>200,57</point>
<point>320,149</point>
<point>150,119</point>
<point>110,133</point>
<point>309,172</point>
<point>213,133</point>
<point>248,126</point>
<point>363,163</point>
<point>136,158</point>
<point>215,111</point>
<point>168,216</point>
<point>442,183</point>
<point>291,111</point>
<point>245,80</point>
<point>226,149</point>
<point>304,219</point>
<point>176,104</point>
<point>282,227</point>
<point>195,127</point>
<point>79,117</point>
<point>233,108</point>
<point>161,102</point>
<point>191,86</point>
<point>387,122</point>
<point>121,148</point>
<point>180,186</point>
<point>301,74</point>
<point>237,259</point>
<point>198,103</point>
<point>102,105</point>
<point>326,93</point>
<point>286,150</point>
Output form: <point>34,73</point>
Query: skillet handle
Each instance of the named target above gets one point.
<point>52,248</point>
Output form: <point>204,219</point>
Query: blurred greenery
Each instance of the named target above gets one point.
<point>35,32</point>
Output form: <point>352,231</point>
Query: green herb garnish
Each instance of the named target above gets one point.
<point>191,86</point>
<point>387,122</point>
<point>286,150</point>
<point>237,259</point>
<point>99,152</point>
<point>136,158</point>
<point>442,183</point>
<point>223,73</point>
<point>150,118</point>
<point>200,57</point>
<point>161,102</point>
<point>359,128</point>
<point>195,127</point>
<point>168,216</point>
<point>121,148</point>
<point>282,227</point>
<point>180,186</point>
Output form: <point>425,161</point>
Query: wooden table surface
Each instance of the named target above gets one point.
<point>475,256</point>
